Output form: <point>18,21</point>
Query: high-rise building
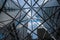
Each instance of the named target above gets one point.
<point>52,24</point>
<point>11,9</point>
<point>29,19</point>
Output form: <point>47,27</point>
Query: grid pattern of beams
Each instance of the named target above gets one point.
<point>24,16</point>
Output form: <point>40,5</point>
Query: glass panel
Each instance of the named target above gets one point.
<point>1,3</point>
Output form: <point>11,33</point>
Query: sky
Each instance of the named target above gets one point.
<point>32,23</point>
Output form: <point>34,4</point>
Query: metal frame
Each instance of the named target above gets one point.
<point>31,7</point>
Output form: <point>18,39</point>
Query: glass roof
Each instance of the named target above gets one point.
<point>34,13</point>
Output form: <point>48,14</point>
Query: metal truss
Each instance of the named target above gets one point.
<point>31,8</point>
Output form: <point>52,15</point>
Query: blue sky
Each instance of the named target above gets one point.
<point>32,23</point>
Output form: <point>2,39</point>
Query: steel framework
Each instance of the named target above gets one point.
<point>22,19</point>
